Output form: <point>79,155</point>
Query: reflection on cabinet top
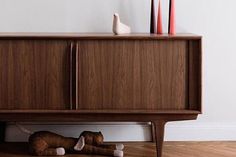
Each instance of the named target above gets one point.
<point>140,36</point>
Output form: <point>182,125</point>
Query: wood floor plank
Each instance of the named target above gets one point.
<point>146,149</point>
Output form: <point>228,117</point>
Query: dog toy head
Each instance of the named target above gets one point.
<point>93,138</point>
<point>98,139</point>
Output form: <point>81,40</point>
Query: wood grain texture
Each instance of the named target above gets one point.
<point>125,74</point>
<point>135,77</point>
<point>34,74</point>
<point>144,149</point>
<point>97,116</point>
<point>183,112</point>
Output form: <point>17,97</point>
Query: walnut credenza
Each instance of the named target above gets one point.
<point>100,77</point>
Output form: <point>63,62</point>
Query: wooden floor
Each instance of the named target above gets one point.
<point>171,149</point>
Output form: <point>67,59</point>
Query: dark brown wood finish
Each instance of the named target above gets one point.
<point>159,135</point>
<point>73,75</point>
<point>153,132</point>
<point>137,74</point>
<point>98,116</point>
<point>100,77</point>
<point>34,74</point>
<point>195,75</point>
<point>98,36</point>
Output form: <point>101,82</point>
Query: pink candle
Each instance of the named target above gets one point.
<point>172,18</point>
<point>159,19</point>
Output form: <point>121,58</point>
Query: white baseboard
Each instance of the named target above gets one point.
<point>135,131</point>
<point>118,132</point>
<point>201,132</point>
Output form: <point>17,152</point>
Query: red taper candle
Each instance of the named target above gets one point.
<point>172,18</point>
<point>159,19</point>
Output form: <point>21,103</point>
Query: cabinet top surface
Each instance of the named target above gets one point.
<point>28,35</point>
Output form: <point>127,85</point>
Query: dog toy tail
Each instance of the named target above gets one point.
<point>23,129</point>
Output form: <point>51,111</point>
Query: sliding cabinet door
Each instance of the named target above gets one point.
<point>34,74</point>
<point>132,74</point>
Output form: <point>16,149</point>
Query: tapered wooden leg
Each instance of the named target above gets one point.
<point>2,131</point>
<point>153,132</point>
<point>159,134</point>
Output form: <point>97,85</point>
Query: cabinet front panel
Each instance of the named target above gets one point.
<point>34,74</point>
<point>132,74</point>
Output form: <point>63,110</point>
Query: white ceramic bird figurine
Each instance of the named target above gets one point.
<point>118,27</point>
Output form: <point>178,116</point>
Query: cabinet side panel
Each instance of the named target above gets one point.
<point>195,74</point>
<point>34,74</point>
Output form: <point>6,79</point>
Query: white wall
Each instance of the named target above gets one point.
<point>213,19</point>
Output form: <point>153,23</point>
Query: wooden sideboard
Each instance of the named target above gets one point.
<point>100,77</point>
